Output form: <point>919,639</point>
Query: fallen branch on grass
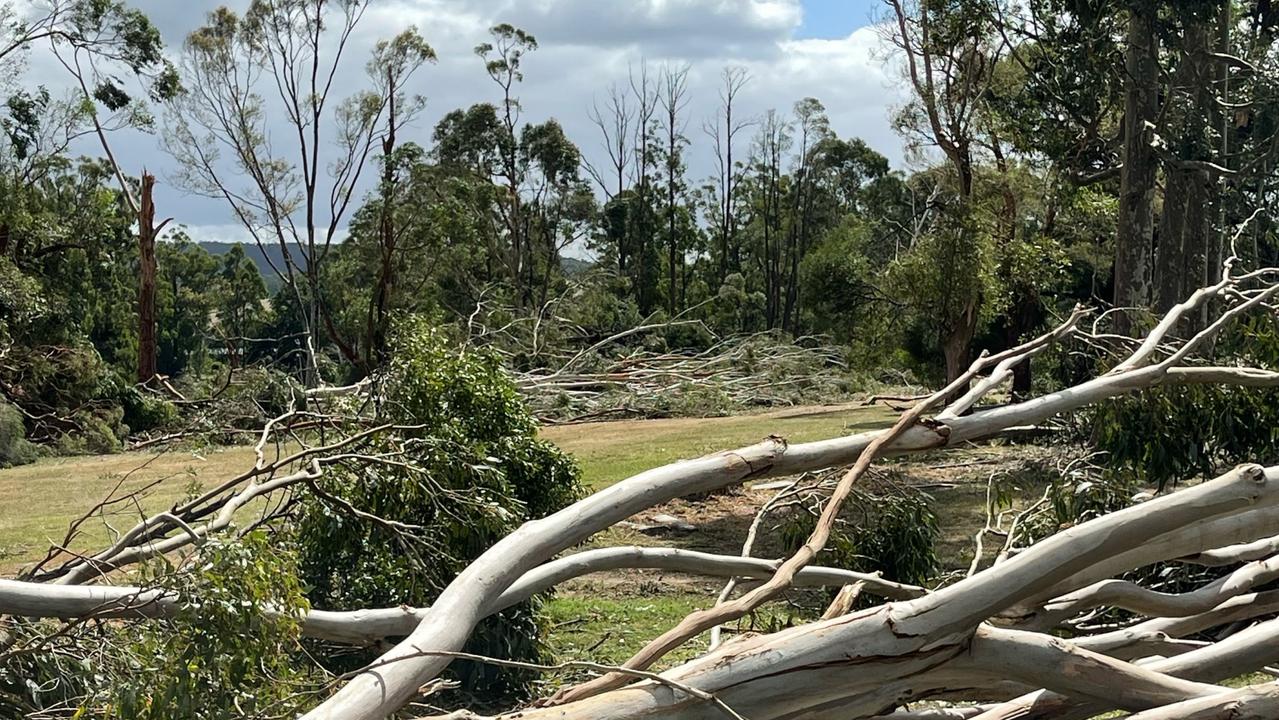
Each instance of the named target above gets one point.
<point>954,642</point>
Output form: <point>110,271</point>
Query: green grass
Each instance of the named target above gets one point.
<point>39,501</point>
<point>610,629</point>
<point>609,452</point>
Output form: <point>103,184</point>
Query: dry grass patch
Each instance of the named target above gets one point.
<point>37,502</point>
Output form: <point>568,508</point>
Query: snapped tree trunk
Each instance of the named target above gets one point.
<point>147,231</point>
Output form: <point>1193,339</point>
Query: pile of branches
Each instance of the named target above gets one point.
<point>655,368</point>
<point>762,369</point>
<point>1002,642</point>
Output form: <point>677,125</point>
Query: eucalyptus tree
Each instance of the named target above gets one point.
<point>614,123</point>
<point>766,208</point>
<point>526,181</point>
<point>1162,96</point>
<point>1134,239</point>
<point>264,127</point>
<point>951,51</point>
<point>394,63</point>
<point>640,215</point>
<point>673,101</point>
<point>812,132</point>
<point>503,61</point>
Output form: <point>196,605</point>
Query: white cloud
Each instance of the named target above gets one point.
<point>226,233</point>
<point>682,29</point>
<point>587,45</point>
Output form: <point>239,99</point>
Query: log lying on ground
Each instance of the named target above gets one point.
<point>364,627</point>
<point>873,661</point>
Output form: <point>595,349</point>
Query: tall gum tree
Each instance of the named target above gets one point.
<point>723,130</point>
<point>262,127</point>
<point>1134,240</point>
<point>950,52</point>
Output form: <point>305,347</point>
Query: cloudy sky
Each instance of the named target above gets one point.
<point>827,49</point>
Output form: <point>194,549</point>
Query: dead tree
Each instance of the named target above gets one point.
<point>723,131</point>
<point>988,640</point>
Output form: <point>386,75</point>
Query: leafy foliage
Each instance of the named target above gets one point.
<point>14,447</point>
<point>468,469</point>
<point>230,649</point>
<point>894,534</point>
<point>1215,426</point>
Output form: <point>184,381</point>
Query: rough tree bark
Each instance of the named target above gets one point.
<point>1181,255</point>
<point>147,232</point>
<point>1134,243</point>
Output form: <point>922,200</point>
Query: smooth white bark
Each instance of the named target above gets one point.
<point>364,627</point>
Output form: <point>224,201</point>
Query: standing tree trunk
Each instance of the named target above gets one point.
<point>733,79</point>
<point>375,335</point>
<point>644,222</point>
<point>956,344</point>
<point>1171,252</point>
<point>1135,239</point>
<point>962,326</point>
<point>1181,251</point>
<point>147,232</point>
<point>673,100</point>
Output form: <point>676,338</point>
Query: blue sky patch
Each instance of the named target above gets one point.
<point>832,19</point>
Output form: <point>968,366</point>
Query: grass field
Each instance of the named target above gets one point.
<point>38,501</point>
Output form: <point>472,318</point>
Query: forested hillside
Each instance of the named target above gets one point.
<point>1074,249</point>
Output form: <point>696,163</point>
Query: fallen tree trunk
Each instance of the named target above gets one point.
<point>982,639</point>
<point>1252,703</point>
<point>389,683</point>
<point>365,627</point>
<point>869,662</point>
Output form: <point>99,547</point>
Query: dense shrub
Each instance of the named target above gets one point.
<point>475,470</point>
<point>895,534</point>
<point>14,448</point>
